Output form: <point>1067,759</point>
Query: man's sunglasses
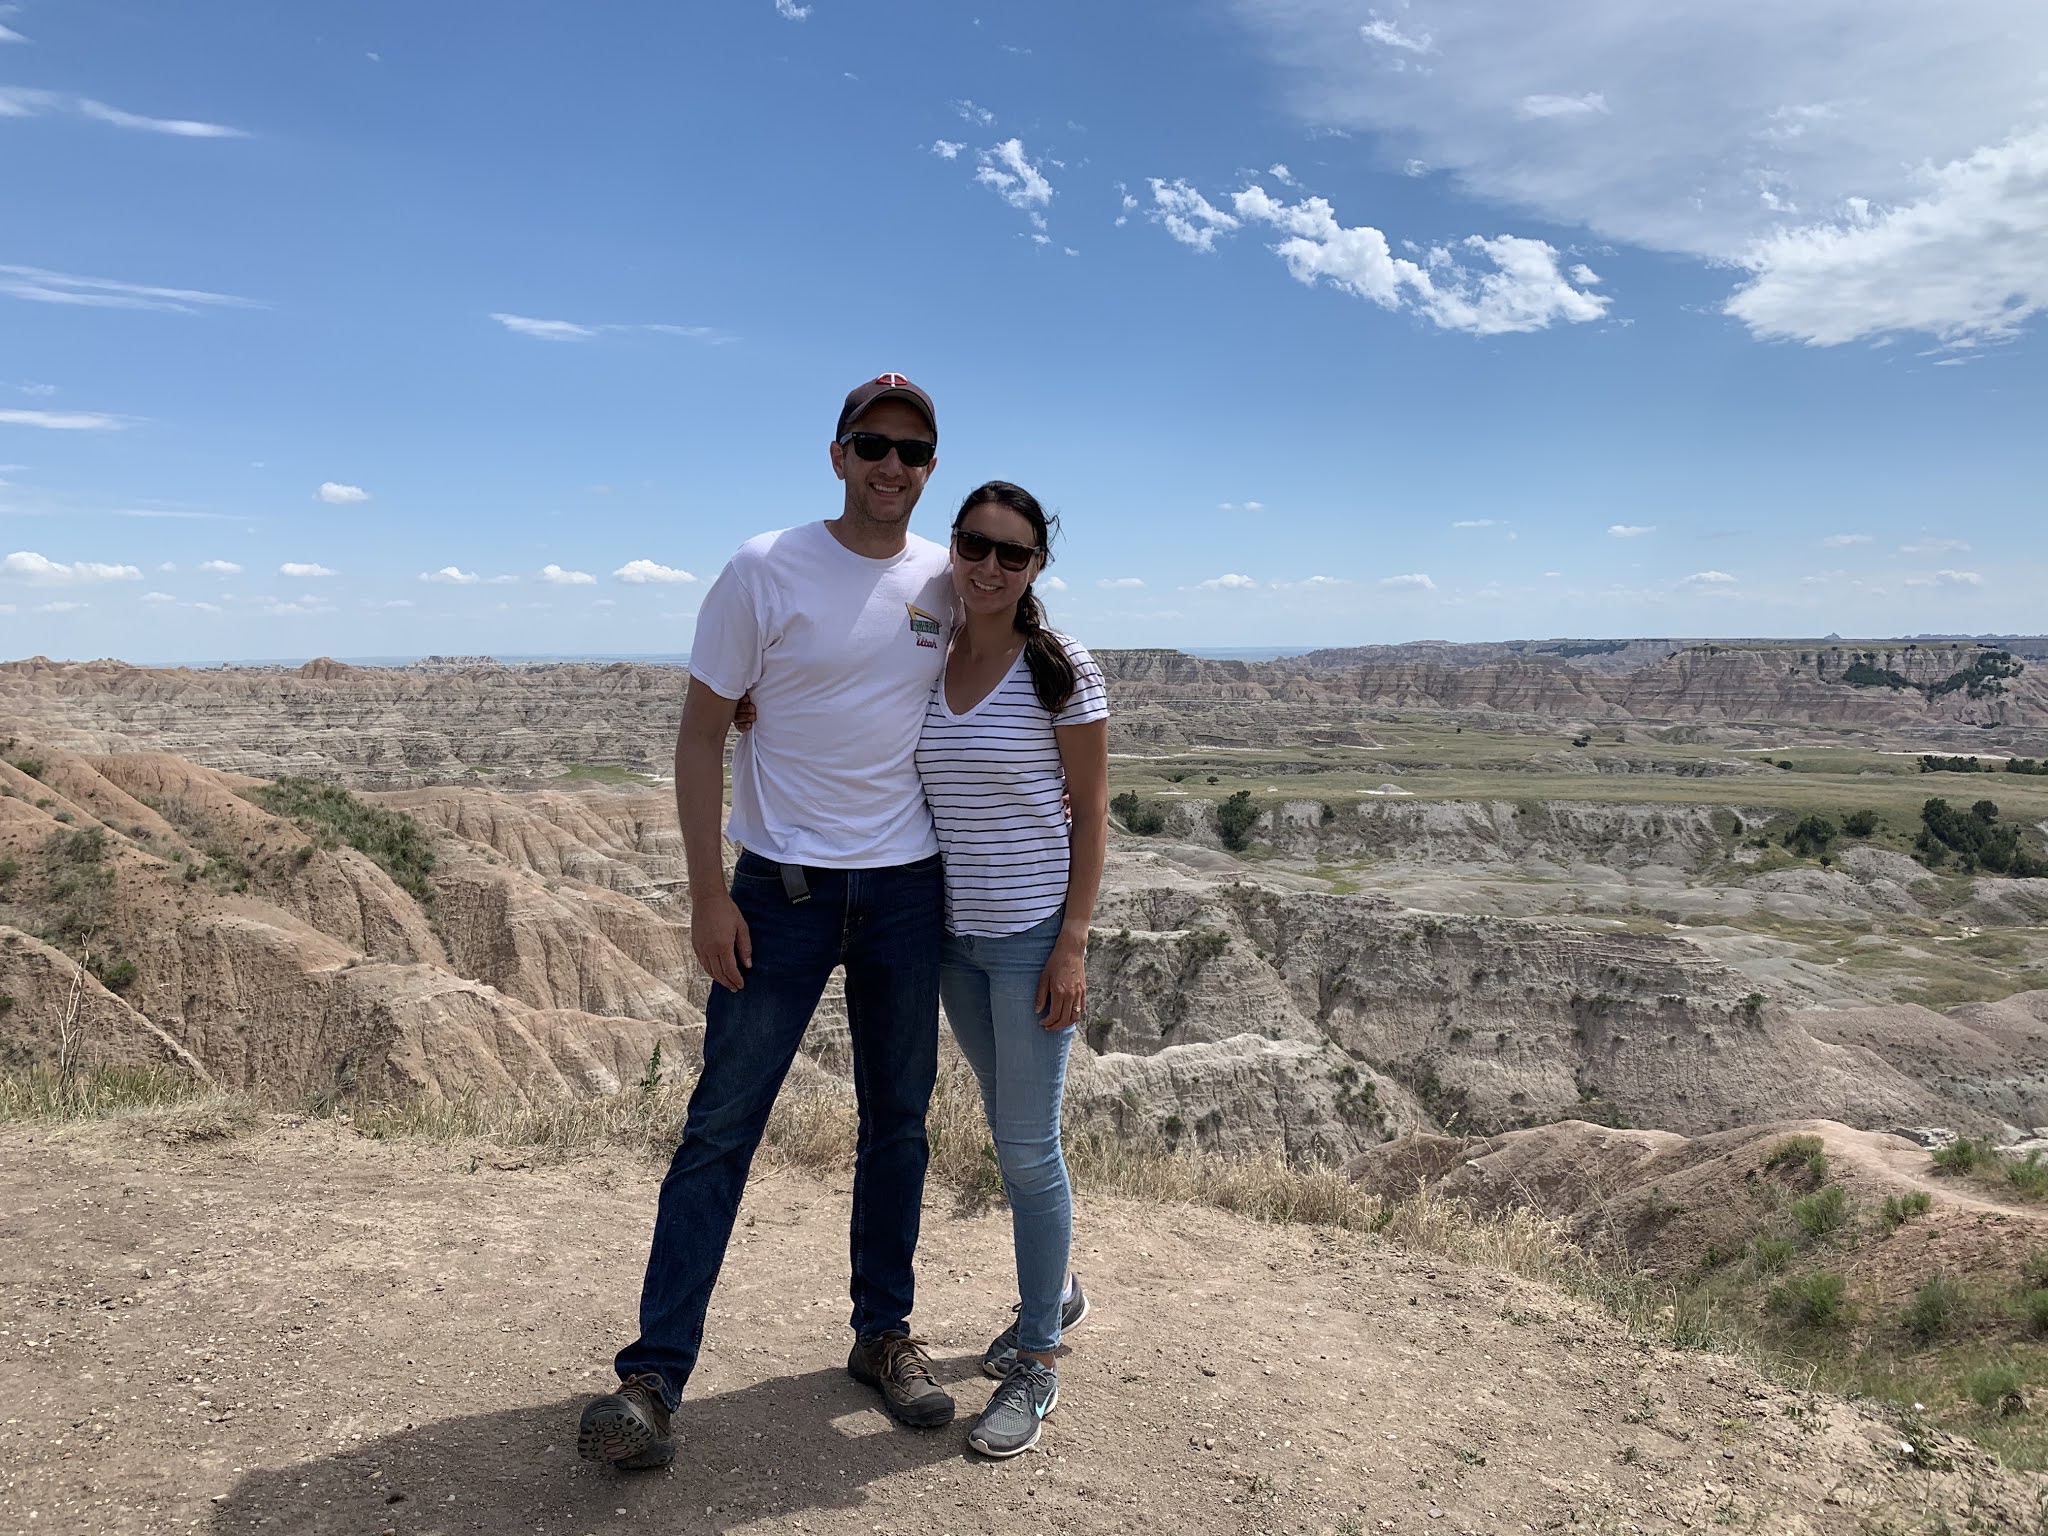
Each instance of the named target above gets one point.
<point>915,452</point>
<point>975,547</point>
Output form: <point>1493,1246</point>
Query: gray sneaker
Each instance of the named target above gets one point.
<point>1016,1412</point>
<point>1001,1354</point>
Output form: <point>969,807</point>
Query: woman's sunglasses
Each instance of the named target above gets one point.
<point>915,452</point>
<point>975,547</point>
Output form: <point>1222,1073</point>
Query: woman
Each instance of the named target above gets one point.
<point>1016,735</point>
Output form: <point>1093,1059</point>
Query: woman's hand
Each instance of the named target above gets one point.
<point>1063,984</point>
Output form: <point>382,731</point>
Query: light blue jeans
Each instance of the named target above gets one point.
<point>990,987</point>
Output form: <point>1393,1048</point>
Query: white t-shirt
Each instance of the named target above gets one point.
<point>840,653</point>
<point>995,784</point>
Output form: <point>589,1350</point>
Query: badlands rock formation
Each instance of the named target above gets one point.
<point>394,727</point>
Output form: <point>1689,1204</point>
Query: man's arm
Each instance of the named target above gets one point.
<point>717,931</point>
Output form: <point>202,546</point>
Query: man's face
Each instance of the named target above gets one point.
<point>884,491</point>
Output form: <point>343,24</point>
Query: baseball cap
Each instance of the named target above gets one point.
<point>886,386</point>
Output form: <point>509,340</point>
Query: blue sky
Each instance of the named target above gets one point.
<point>381,328</point>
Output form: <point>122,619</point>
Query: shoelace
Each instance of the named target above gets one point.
<point>1016,1390</point>
<point>905,1361</point>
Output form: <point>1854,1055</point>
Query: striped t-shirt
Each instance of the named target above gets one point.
<point>993,779</point>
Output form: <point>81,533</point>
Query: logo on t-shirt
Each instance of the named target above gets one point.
<point>923,625</point>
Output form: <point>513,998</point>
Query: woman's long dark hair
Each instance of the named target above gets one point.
<point>1052,674</point>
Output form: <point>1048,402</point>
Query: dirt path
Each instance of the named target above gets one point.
<point>306,1332</point>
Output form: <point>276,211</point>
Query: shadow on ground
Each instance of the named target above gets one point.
<point>787,1446</point>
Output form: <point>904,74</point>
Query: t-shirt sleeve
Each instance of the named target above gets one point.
<point>725,655</point>
<point>1090,700</point>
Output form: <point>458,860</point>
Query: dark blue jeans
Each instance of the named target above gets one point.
<point>884,926</point>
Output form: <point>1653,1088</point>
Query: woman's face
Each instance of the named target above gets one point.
<point>983,586</point>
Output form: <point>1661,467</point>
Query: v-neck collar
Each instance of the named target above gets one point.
<point>994,688</point>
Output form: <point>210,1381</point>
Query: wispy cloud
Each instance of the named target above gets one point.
<point>1240,506</point>
<point>22,101</point>
<point>304,568</point>
<point>1015,178</point>
<point>1187,215</point>
<point>455,576</point>
<point>1052,584</point>
<point>1387,35</point>
<point>1115,582</point>
<point>554,575</point>
<point>60,607</point>
<point>979,116</point>
<point>1629,530</point>
<point>39,285</point>
<point>1479,522</point>
<point>1709,579</point>
<point>1415,581</point>
<point>573,330</point>
<point>334,493</point>
<point>1947,579</point>
<point>947,149</point>
<point>220,567</point>
<point>1844,540</point>
<point>1591,104</point>
<point>1229,581</point>
<point>28,566</point>
<point>1936,547</point>
<point>640,573</point>
<point>179,514</point>
<point>789,10</point>
<point>64,421</point>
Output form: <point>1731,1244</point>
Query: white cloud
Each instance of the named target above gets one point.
<point>17,101</point>
<point>221,567</point>
<point>334,493</point>
<point>1947,579</point>
<point>1876,164</point>
<point>556,576</point>
<point>59,607</point>
<point>1415,581</point>
<point>42,286</point>
<point>789,10</point>
<point>26,565</point>
<point>1629,530</point>
<point>640,573</point>
<point>396,602</point>
<point>1384,32</point>
<point>571,330</point>
<point>1240,506</point>
<point>947,149</point>
<point>1015,179</point>
<point>158,597</point>
<point>1936,547</point>
<point>452,576</point>
<point>1844,540</point>
<point>1592,104</point>
<point>298,568</point>
<point>1230,581</point>
<point>1281,174</point>
<point>9,35</point>
<point>1188,216</point>
<point>1052,584</point>
<point>1114,582</point>
<point>1479,522</point>
<point>1710,578</point>
<point>1966,263</point>
<point>1325,581</point>
<point>64,421</point>
<point>969,112</point>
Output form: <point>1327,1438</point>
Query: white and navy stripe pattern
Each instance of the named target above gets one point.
<point>993,779</point>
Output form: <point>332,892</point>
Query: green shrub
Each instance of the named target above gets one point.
<point>1900,1209</point>
<point>32,766</point>
<point>115,975</point>
<point>2029,1175</point>
<point>1807,1152</point>
<point>1860,823</point>
<point>1143,817</point>
<point>1999,1389</point>
<point>9,868</point>
<point>1822,1211</point>
<point>1235,819</point>
<point>1961,1155</point>
<point>1819,1299</point>
<point>2034,1307</point>
<point>1772,1254</point>
<point>393,840</point>
<point>2034,1269</point>
<point>1935,1309</point>
<point>1811,837</point>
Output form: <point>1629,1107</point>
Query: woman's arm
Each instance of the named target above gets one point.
<point>1084,756</point>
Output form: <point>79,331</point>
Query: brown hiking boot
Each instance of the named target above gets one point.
<point>628,1428</point>
<point>897,1366</point>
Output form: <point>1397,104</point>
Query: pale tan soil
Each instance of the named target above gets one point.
<point>303,1331</point>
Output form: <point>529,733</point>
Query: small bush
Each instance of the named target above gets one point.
<point>9,868</point>
<point>1900,1209</point>
<point>1143,817</point>
<point>1961,1155</point>
<point>115,975</point>
<point>1821,1212</point>
<point>2034,1307</point>
<point>32,766</point>
<point>1999,1389</point>
<point>2029,1175</point>
<point>1935,1309</point>
<point>1235,819</point>
<point>1860,823</point>
<point>1811,837</point>
<point>1772,1254</point>
<point>1819,1299</point>
<point>1806,1152</point>
<point>2034,1269</point>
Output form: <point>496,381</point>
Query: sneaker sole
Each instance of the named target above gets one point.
<point>616,1436</point>
<point>996,1367</point>
<point>939,1413</point>
<point>1018,1450</point>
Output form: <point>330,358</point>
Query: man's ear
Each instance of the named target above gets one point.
<point>838,453</point>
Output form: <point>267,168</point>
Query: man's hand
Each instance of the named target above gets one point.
<point>1063,985</point>
<point>719,935</point>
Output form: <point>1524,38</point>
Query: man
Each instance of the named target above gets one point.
<point>837,630</point>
